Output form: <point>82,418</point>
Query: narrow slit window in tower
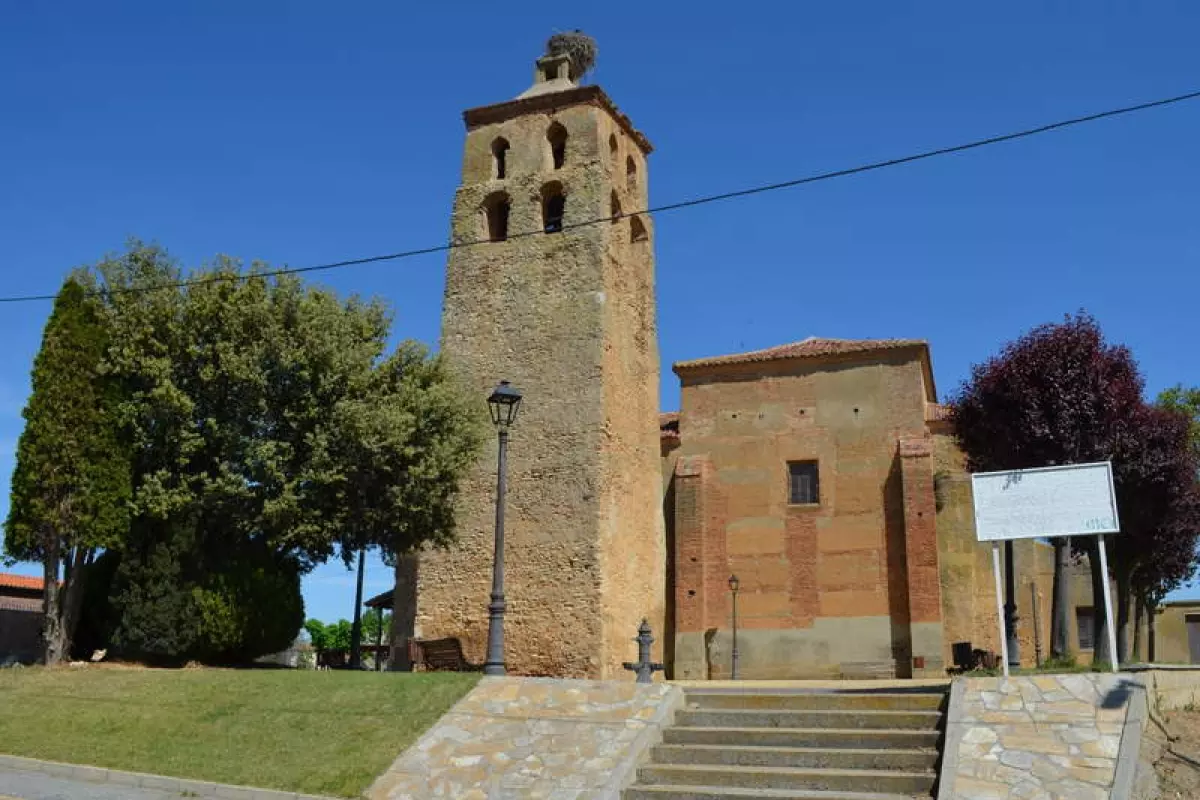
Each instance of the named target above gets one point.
<point>630,172</point>
<point>554,207</point>
<point>557,136</point>
<point>637,230</point>
<point>612,146</point>
<point>500,156</point>
<point>615,209</point>
<point>496,208</point>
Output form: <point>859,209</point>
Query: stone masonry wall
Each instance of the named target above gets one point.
<point>632,544</point>
<point>534,738</point>
<point>1051,737</point>
<point>568,318</point>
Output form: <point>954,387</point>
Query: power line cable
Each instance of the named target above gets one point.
<point>698,201</point>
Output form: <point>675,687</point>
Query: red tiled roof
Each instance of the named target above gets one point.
<point>811,347</point>
<point>10,581</point>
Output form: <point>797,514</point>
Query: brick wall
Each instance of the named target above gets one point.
<point>825,588</point>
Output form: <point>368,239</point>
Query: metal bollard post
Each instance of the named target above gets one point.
<point>644,667</point>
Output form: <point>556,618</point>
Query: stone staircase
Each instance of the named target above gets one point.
<point>863,744</point>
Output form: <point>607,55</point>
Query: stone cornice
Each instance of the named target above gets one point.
<point>550,102</point>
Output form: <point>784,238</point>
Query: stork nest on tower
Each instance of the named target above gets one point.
<point>576,45</point>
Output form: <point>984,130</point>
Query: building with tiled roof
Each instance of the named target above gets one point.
<point>821,472</point>
<point>824,475</point>
<point>812,347</point>
<point>20,582</point>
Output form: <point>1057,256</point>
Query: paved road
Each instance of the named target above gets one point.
<point>16,785</point>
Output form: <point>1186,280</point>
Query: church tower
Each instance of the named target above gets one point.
<point>553,290</point>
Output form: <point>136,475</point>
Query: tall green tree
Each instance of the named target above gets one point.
<point>232,378</point>
<point>328,636</point>
<point>269,424</point>
<point>71,487</point>
<point>391,464</point>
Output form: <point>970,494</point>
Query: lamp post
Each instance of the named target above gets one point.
<point>733,588</point>
<point>503,404</point>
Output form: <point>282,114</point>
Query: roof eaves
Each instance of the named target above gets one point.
<point>850,349</point>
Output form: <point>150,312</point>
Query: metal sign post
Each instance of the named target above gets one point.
<point>1108,609</point>
<point>1000,607</point>
<point>1042,503</point>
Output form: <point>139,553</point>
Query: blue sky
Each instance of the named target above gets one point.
<point>303,132</point>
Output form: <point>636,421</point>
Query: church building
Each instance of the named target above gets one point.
<point>819,473</point>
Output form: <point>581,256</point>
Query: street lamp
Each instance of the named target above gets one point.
<point>503,404</point>
<point>733,588</point>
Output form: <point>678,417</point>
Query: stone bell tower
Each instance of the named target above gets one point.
<point>557,298</point>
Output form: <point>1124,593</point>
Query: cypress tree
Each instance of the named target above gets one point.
<point>71,485</point>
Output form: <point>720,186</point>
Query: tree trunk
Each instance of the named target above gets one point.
<point>1060,639</point>
<point>74,576</point>
<point>1100,649</point>
<point>1139,612</point>
<point>1151,606</point>
<point>356,628</point>
<point>1124,603</point>
<point>53,639</point>
<point>379,641</point>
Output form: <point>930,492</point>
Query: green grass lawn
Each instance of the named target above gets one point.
<point>326,733</point>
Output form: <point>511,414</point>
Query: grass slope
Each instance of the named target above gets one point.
<point>316,732</point>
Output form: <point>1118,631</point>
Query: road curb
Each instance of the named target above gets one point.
<point>202,789</point>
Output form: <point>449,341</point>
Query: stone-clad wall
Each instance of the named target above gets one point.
<point>568,317</point>
<point>1048,737</point>
<point>534,738</point>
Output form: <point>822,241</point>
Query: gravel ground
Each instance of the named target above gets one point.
<point>1174,755</point>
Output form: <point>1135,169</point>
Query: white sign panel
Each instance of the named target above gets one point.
<point>1039,503</point>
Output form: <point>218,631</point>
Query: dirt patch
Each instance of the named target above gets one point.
<point>1173,749</point>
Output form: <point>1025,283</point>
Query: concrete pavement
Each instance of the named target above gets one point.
<point>22,785</point>
<point>31,779</point>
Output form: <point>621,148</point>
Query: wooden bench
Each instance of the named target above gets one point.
<point>439,655</point>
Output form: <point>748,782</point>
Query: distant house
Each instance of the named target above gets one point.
<point>20,618</point>
<point>1178,632</point>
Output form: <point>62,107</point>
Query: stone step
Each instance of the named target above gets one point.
<point>796,757</point>
<point>738,718</point>
<point>829,780</point>
<point>816,701</point>
<point>728,793</point>
<point>856,738</point>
